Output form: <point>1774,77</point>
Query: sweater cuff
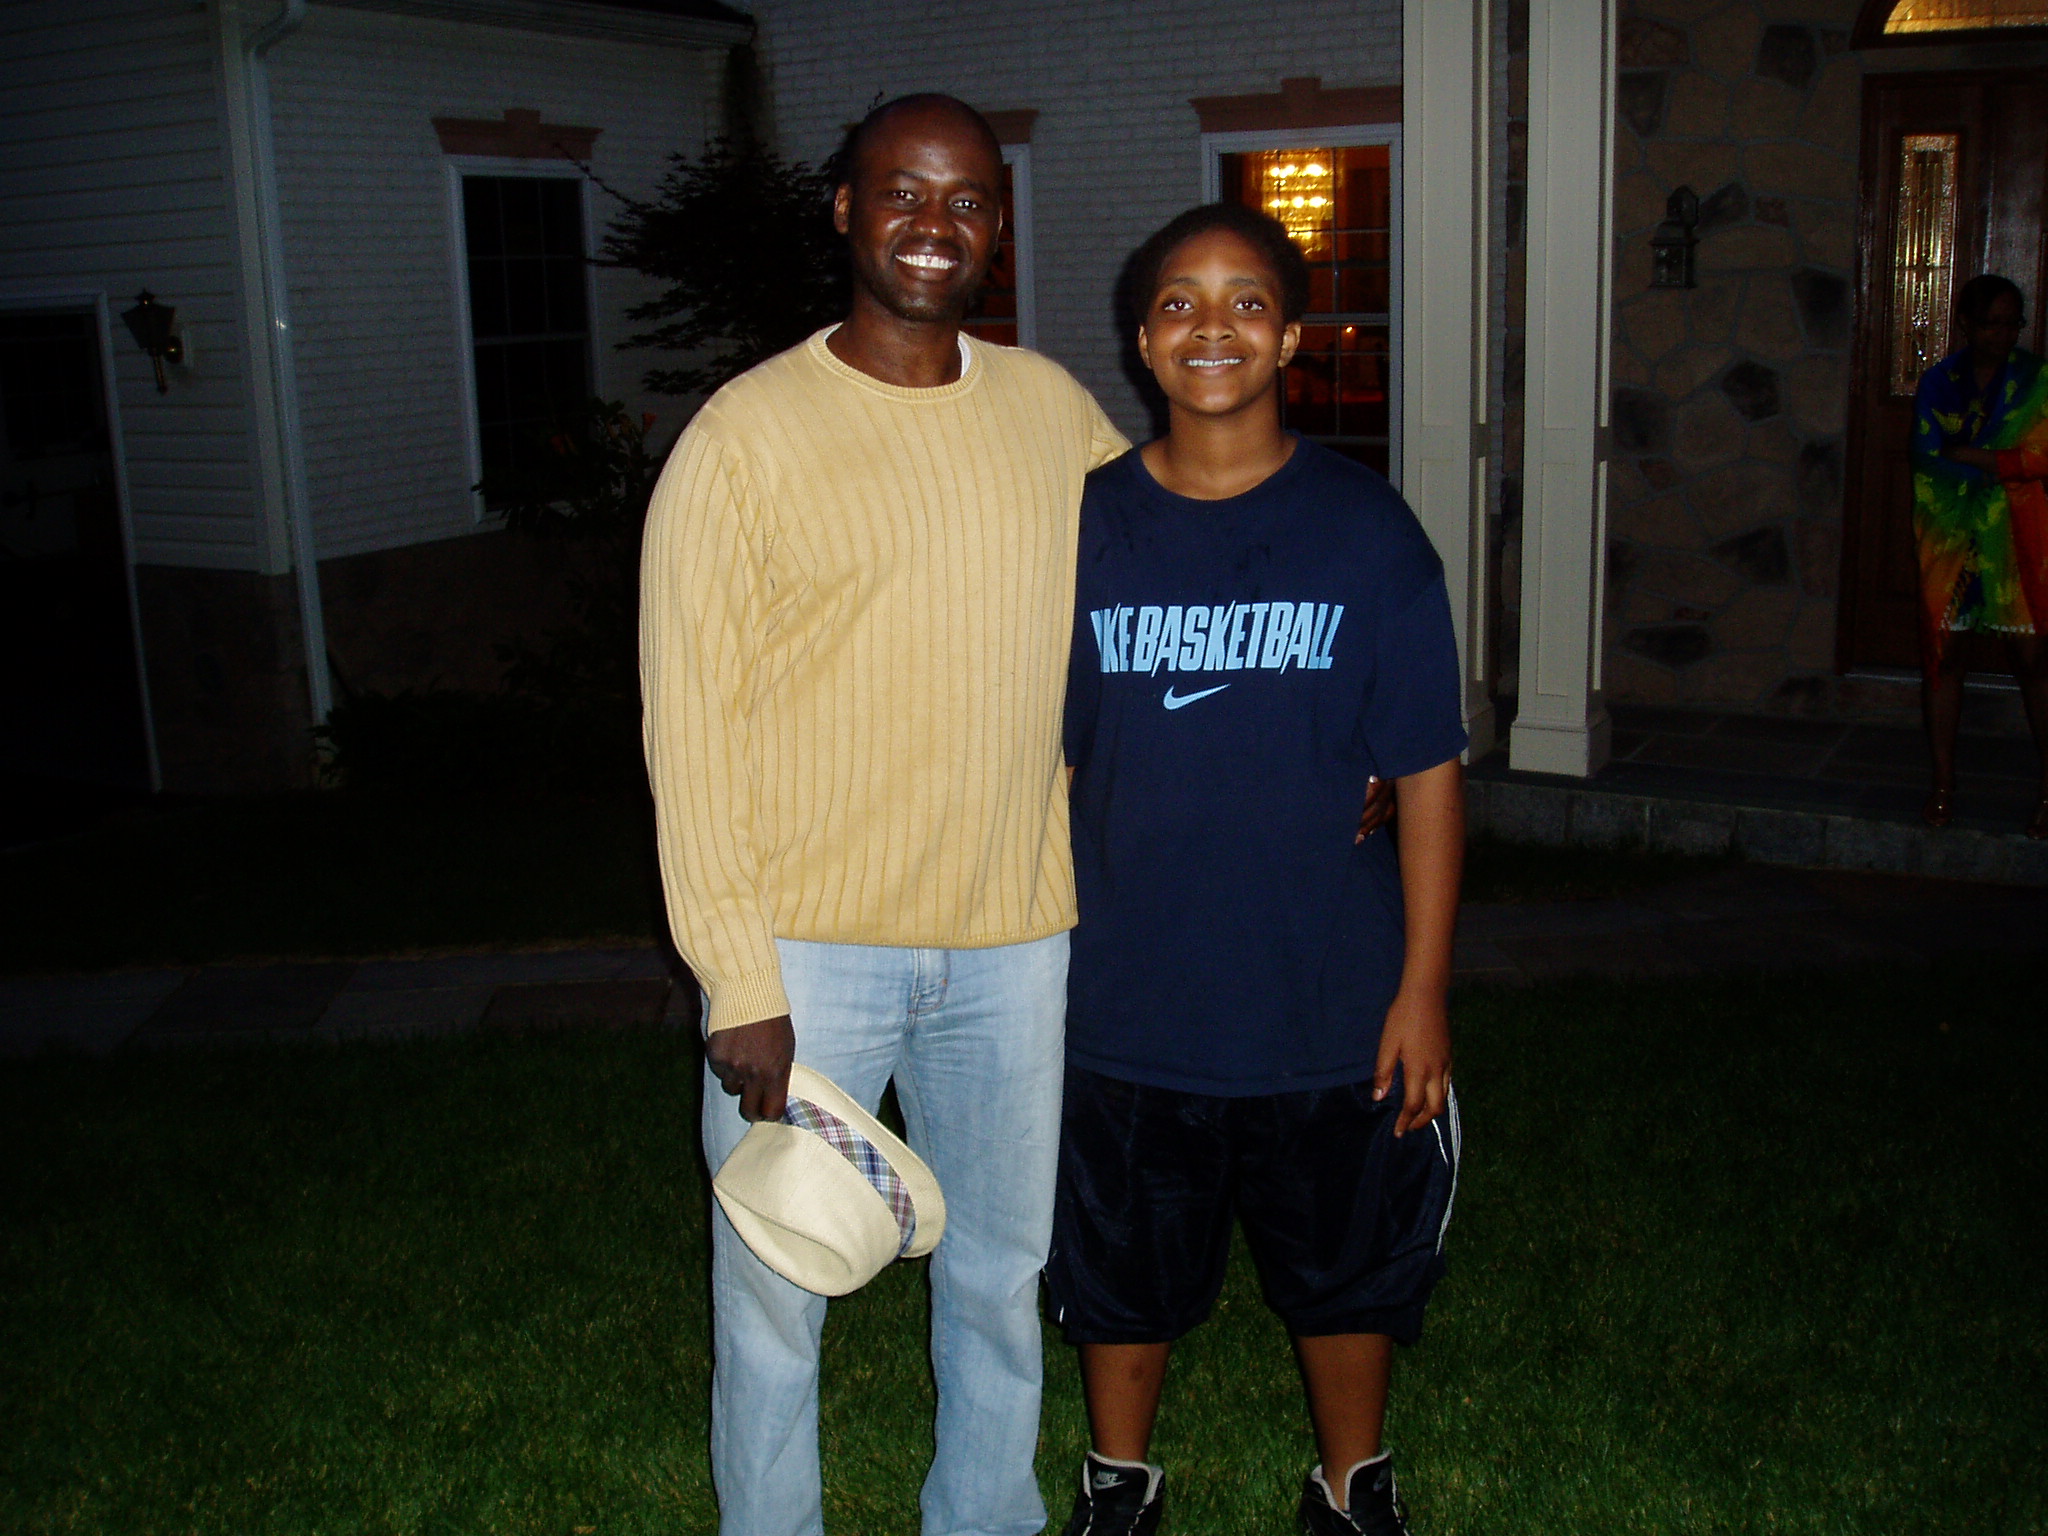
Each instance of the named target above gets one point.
<point>746,998</point>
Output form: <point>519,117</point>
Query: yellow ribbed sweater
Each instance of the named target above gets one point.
<point>856,606</point>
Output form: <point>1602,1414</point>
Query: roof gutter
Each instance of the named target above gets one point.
<point>279,27</point>
<point>575,18</point>
<point>283,371</point>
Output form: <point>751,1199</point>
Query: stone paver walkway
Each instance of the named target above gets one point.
<point>333,1002</point>
<point>1747,917</point>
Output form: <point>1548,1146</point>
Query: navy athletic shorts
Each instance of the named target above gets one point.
<point>1345,1222</point>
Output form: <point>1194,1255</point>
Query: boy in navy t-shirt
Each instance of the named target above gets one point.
<point>1256,1014</point>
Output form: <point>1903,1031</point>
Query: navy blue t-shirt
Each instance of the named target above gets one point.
<point>1240,668</point>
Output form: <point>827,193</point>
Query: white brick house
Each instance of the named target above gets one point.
<point>1116,147</point>
<point>296,177</point>
<point>1128,112</point>
<point>291,177</point>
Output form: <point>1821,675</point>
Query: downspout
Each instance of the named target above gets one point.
<point>284,380</point>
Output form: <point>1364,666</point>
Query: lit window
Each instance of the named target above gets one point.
<point>1337,203</point>
<point>1003,310</point>
<point>1910,16</point>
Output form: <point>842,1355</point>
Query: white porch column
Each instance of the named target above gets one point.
<point>1561,723</point>
<point>1444,188</point>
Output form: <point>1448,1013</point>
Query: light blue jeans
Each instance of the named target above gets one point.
<point>974,1039</point>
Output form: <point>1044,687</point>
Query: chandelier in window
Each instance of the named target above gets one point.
<point>1910,16</point>
<point>1299,188</point>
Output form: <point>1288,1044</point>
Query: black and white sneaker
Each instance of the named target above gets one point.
<point>1373,1506</point>
<point>1118,1498</point>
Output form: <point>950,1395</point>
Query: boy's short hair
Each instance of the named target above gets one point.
<point>1263,233</point>
<point>1975,298</point>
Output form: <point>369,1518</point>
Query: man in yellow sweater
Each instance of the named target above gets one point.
<point>856,611</point>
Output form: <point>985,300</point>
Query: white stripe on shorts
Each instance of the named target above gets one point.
<point>1453,1152</point>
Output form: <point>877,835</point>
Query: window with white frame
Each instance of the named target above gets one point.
<point>1005,310</point>
<point>1338,191</point>
<point>526,282</point>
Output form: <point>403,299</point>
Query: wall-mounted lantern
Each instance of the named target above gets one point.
<point>150,324</point>
<point>1671,244</point>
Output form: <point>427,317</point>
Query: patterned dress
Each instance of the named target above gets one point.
<point>1983,538</point>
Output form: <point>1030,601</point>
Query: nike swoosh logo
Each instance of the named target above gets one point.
<point>1184,700</point>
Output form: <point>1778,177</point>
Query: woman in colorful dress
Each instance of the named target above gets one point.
<point>1980,515</point>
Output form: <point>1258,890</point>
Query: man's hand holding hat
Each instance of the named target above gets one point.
<point>752,1061</point>
<point>827,1196</point>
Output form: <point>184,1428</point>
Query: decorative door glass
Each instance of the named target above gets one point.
<point>1923,255</point>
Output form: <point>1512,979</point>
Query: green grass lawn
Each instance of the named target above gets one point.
<point>359,873</point>
<point>1728,1257</point>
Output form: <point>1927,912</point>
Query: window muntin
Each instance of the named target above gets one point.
<point>529,313</point>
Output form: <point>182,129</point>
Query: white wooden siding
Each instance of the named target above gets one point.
<point>112,177</point>
<point>1116,150</point>
<point>369,239</point>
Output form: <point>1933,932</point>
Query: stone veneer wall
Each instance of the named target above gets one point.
<point>1730,399</point>
<point>1725,486</point>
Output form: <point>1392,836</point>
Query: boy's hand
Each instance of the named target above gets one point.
<point>1417,1034</point>
<point>1417,1039</point>
<point>1378,808</point>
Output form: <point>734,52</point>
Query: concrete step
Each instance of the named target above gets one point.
<point>1804,822</point>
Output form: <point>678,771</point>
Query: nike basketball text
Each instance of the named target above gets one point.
<point>1230,637</point>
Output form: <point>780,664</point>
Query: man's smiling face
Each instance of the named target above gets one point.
<point>922,214</point>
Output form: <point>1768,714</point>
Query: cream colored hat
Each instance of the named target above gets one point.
<point>826,1196</point>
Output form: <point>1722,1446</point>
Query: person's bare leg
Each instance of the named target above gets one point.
<point>1941,708</point>
<point>1346,1375</point>
<point>1122,1384</point>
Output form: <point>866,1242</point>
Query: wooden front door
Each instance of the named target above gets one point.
<point>1954,169</point>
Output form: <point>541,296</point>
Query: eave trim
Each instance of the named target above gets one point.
<point>571,18</point>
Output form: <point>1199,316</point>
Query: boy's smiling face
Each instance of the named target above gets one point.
<point>1215,334</point>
